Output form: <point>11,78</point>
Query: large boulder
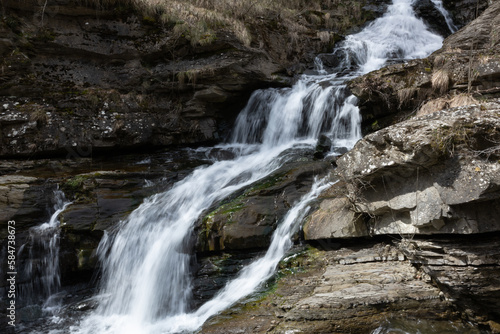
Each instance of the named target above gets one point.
<point>433,174</point>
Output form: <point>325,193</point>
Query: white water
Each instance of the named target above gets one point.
<point>439,5</point>
<point>146,285</point>
<point>398,35</point>
<point>42,266</point>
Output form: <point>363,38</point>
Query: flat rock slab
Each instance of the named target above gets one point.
<point>349,290</point>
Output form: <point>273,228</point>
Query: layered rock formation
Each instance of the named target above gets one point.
<point>77,78</point>
<point>80,77</point>
<point>350,290</point>
<point>466,270</point>
<point>99,80</point>
<point>432,174</point>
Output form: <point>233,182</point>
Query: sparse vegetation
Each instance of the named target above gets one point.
<point>405,95</point>
<point>445,139</point>
<point>446,102</point>
<point>441,80</point>
<point>200,20</point>
<point>79,187</point>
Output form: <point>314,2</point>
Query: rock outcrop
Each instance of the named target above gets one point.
<point>349,290</point>
<point>466,270</point>
<point>22,198</point>
<point>432,174</point>
<point>249,220</point>
<point>413,286</point>
<point>78,78</point>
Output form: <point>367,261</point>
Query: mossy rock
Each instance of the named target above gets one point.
<point>249,219</point>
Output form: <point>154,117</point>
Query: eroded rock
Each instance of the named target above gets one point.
<point>433,174</point>
<point>466,270</point>
<point>335,218</point>
<point>89,78</point>
<point>344,291</point>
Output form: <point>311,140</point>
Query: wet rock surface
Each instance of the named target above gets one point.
<point>212,272</point>
<point>465,11</point>
<point>248,220</point>
<point>433,19</point>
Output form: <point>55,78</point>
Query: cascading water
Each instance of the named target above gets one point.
<point>146,286</point>
<point>449,22</point>
<point>42,265</point>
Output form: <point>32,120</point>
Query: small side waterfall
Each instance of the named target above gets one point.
<point>439,6</point>
<point>146,286</point>
<point>42,265</point>
<point>251,276</point>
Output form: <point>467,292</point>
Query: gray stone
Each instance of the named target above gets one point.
<point>432,174</point>
<point>334,219</point>
<point>343,291</point>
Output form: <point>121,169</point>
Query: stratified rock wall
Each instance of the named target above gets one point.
<point>433,174</point>
<point>80,77</point>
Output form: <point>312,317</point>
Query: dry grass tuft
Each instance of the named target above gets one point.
<point>441,103</point>
<point>181,76</point>
<point>440,81</point>
<point>324,37</point>
<point>462,100</point>
<point>439,61</point>
<point>405,95</point>
<point>433,106</point>
<point>199,20</point>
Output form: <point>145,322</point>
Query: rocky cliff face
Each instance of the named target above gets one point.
<point>77,81</point>
<point>433,174</point>
<point>82,77</point>
<point>79,77</point>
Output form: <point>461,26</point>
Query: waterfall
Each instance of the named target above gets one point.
<point>250,277</point>
<point>449,22</point>
<point>42,265</point>
<point>146,286</point>
<point>398,35</point>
